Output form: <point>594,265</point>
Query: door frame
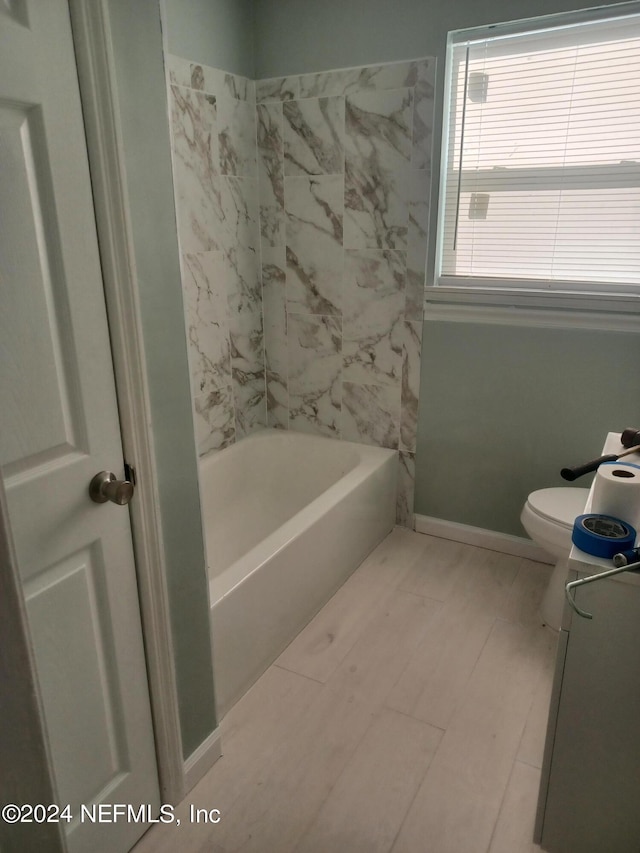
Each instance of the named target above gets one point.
<point>96,73</point>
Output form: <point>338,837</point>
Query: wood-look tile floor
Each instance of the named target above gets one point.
<point>409,716</point>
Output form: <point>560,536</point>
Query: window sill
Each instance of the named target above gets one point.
<point>609,312</point>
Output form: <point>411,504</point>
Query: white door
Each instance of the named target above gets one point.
<point>58,427</point>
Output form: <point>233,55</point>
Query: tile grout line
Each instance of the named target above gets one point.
<point>299,674</point>
<point>419,785</point>
<point>387,590</point>
<point>499,812</point>
<point>355,747</point>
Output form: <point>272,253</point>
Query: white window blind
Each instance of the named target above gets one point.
<point>542,159</point>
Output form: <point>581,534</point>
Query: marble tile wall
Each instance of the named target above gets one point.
<point>303,211</point>
<point>213,126</point>
<point>343,180</point>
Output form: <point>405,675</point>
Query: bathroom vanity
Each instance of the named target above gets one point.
<point>589,799</point>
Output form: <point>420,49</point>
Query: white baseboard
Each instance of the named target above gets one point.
<point>494,541</point>
<point>202,760</point>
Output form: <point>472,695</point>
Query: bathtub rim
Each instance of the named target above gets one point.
<point>369,459</point>
<point>266,433</point>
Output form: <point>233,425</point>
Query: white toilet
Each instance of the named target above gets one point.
<point>548,517</point>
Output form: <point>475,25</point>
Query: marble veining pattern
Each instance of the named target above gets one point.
<point>271,173</point>
<point>394,75</point>
<point>221,82</point>
<point>370,414</point>
<point>303,207</point>
<point>274,307</point>
<point>196,167</point>
<point>249,399</point>
<point>379,129</point>
<point>314,136</point>
<point>197,77</point>
<point>214,420</point>
<point>411,352</point>
<point>406,489</point>
<point>213,124</point>
<point>315,367</point>
<point>314,209</point>
<point>237,213</point>
<point>378,159</point>
<point>237,137</point>
<point>244,305</point>
<point>277,89</point>
<point>207,321</point>
<point>373,315</point>
<point>344,162</point>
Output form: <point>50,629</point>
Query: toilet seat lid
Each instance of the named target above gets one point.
<point>561,505</point>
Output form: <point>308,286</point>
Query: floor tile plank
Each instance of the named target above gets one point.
<point>340,746</point>
<point>365,809</point>
<point>458,802</point>
<point>385,647</point>
<point>320,647</point>
<point>514,829</point>
<point>439,567</point>
<point>252,737</point>
<point>525,595</point>
<point>531,749</point>
<point>431,685</point>
<point>488,580</point>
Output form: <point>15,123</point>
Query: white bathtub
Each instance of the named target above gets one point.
<point>287,518</point>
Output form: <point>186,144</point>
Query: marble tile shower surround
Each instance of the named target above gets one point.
<point>213,124</point>
<point>303,207</point>
<point>344,179</point>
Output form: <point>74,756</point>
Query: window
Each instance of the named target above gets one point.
<point>541,157</point>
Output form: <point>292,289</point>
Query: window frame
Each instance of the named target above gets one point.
<point>488,292</point>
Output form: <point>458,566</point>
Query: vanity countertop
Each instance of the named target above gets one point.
<point>587,564</point>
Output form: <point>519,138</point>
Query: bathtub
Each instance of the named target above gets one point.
<point>287,518</point>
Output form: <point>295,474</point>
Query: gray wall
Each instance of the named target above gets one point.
<point>504,408</point>
<point>482,386</point>
<point>142,98</point>
<point>212,32</point>
<point>298,36</point>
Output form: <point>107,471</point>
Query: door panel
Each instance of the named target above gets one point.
<point>68,611</point>
<point>58,427</point>
<point>41,417</point>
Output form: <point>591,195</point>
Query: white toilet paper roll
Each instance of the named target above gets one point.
<point>616,491</point>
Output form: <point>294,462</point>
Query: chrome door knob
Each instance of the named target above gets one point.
<point>104,487</point>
